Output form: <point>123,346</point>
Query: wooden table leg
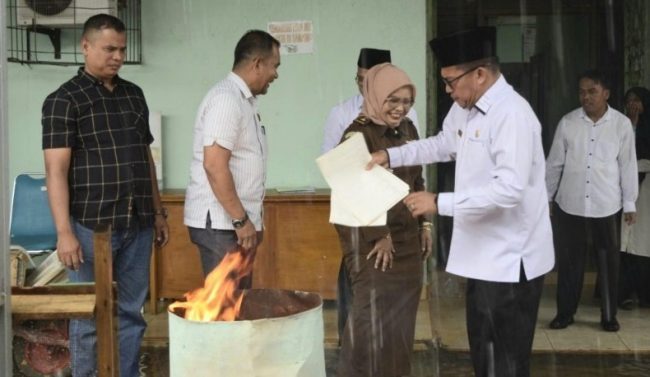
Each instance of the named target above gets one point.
<point>153,281</point>
<point>105,307</point>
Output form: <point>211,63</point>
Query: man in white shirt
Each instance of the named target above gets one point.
<point>502,241</point>
<point>591,173</point>
<point>339,119</point>
<point>223,201</point>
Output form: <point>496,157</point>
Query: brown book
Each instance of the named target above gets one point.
<point>20,261</point>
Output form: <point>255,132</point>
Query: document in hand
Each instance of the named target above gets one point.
<point>359,197</point>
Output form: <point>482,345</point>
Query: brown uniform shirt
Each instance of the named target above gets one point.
<point>400,223</point>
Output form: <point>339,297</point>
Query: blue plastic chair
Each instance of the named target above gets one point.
<point>31,223</point>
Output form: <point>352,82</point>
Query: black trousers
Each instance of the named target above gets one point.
<point>574,232</point>
<point>634,278</point>
<point>501,321</point>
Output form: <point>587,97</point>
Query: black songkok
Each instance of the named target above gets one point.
<point>465,46</point>
<point>370,57</point>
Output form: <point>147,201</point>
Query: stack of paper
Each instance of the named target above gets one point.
<point>359,197</point>
<point>50,271</point>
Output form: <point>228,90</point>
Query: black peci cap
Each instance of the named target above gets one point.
<point>465,46</point>
<point>370,57</point>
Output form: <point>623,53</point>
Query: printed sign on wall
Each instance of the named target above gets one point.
<point>296,37</point>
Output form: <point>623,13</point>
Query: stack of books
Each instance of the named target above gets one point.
<point>49,271</point>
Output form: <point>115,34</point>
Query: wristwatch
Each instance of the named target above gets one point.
<point>161,212</point>
<point>238,223</point>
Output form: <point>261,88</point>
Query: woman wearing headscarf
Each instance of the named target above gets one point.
<point>385,262</point>
<point>635,239</point>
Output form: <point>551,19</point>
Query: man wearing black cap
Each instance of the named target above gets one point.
<point>342,115</point>
<point>502,240</point>
<point>340,118</point>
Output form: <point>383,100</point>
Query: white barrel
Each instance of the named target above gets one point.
<point>282,338</point>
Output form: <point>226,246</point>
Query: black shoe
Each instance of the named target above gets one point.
<point>560,322</point>
<point>611,325</point>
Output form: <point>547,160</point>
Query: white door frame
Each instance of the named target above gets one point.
<point>5,286</point>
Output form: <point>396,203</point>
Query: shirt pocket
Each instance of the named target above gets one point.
<point>137,118</point>
<point>476,147</point>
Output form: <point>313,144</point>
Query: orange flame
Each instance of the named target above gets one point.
<point>219,299</point>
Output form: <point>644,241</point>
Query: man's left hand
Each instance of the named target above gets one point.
<point>629,218</point>
<point>162,231</point>
<point>421,203</point>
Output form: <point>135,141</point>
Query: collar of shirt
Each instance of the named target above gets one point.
<point>385,131</point>
<point>491,95</point>
<point>245,90</point>
<point>358,102</point>
<point>602,119</point>
<point>94,80</point>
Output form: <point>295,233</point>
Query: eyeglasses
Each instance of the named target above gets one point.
<point>358,79</point>
<point>450,82</point>
<point>394,102</point>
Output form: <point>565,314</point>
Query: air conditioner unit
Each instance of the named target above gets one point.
<point>61,12</point>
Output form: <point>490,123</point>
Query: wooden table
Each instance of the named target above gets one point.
<point>300,249</point>
<point>96,301</point>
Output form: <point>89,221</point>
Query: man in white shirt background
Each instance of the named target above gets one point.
<point>223,201</point>
<point>502,240</point>
<point>591,172</point>
<point>339,119</point>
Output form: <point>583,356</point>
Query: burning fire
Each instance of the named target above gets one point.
<point>219,299</point>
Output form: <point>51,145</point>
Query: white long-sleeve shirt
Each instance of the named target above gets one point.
<point>341,117</point>
<point>500,206</point>
<point>594,165</point>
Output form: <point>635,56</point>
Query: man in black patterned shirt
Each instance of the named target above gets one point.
<point>100,171</point>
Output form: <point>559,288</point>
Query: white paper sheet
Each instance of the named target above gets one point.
<point>359,197</point>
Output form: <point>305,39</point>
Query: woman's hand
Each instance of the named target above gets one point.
<point>384,251</point>
<point>426,241</point>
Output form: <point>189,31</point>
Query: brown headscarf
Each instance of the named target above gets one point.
<point>382,80</point>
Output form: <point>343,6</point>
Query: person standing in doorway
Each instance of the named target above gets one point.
<point>635,239</point>
<point>591,173</point>
<point>223,201</point>
<point>99,170</point>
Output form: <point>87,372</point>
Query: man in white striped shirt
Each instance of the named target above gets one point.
<point>223,201</point>
<point>591,172</point>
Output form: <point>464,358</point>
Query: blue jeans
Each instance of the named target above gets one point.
<point>131,259</point>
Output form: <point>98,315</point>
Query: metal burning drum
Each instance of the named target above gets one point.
<point>277,333</point>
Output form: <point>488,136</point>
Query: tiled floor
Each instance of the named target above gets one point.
<point>448,322</point>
